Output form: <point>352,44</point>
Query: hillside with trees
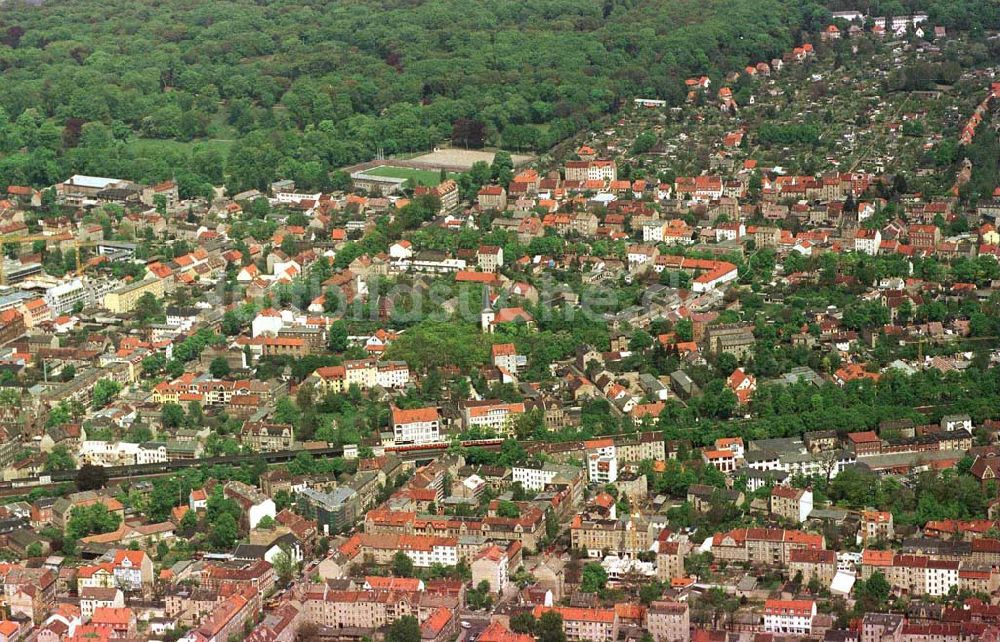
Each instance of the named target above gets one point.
<point>242,92</point>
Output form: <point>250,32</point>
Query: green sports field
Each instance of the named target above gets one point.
<point>427,177</point>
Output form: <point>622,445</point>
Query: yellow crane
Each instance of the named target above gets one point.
<point>31,238</point>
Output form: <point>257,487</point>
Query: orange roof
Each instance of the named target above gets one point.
<point>865,437</point>
<point>437,621</point>
<point>112,616</point>
<point>606,616</point>
<point>90,571</point>
<point>604,500</point>
<point>630,611</point>
<point>403,416</point>
<point>393,583</point>
<point>503,349</point>
<point>789,607</point>
<point>647,410</point>
<point>470,276</point>
<point>135,558</point>
<point>497,632</point>
<point>876,558</point>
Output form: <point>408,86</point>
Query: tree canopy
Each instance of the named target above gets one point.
<point>243,96</point>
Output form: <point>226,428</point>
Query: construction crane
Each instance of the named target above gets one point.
<point>31,238</point>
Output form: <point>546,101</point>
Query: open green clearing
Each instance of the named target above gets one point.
<point>427,177</point>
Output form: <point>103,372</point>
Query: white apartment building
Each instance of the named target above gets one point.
<point>62,297</point>
<point>268,322</point>
<point>493,415</point>
<point>602,170</point>
<point>425,552</point>
<point>392,374</point>
<point>123,453</point>
<point>603,469</point>
<point>652,232</point>
<point>492,565</point>
<point>506,358</point>
<point>361,372</point>
<point>789,616</point>
<point>641,254</point>
<point>416,426</point>
<point>100,597</point>
<point>296,197</point>
<point>800,463</point>
<point>940,577</point>
<point>868,242</point>
<point>602,461</point>
<point>730,232</point>
<point>534,479</point>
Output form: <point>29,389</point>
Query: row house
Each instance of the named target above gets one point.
<point>592,170</point>
<point>526,528</point>
<point>119,621</point>
<point>365,610</point>
<point>492,197</point>
<point>424,550</point>
<point>257,575</point>
<point>668,621</point>
<point>493,416</point>
<point>699,188</point>
<point>876,525</point>
<point>267,437</point>
<point>363,373</point>
<point>670,557</point>
<point>211,392</point>
<point>595,625</point>
<point>29,592</point>
<point>673,231</point>
<point>624,536</point>
<point>818,564</point>
<point>227,621</point>
<point>766,546</point>
<point>793,504</point>
<point>133,570</point>
<point>913,574</point>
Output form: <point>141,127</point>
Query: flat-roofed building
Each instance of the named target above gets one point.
<point>124,299</point>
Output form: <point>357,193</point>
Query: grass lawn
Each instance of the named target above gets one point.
<point>427,177</point>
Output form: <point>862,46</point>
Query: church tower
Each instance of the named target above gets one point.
<point>486,314</point>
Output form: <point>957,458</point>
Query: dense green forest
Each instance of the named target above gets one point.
<point>242,92</point>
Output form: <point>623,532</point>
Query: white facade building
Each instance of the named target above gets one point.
<point>789,616</point>
<point>268,322</point>
<point>534,479</point>
<point>62,297</point>
<point>444,551</point>
<point>416,426</point>
<point>495,416</point>
<point>392,374</point>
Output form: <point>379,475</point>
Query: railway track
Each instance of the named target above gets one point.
<point>56,479</point>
